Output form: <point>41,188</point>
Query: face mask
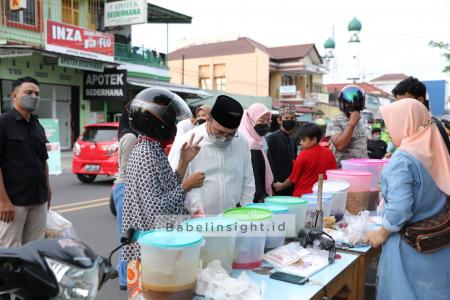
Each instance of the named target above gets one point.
<point>288,124</point>
<point>262,129</point>
<point>220,142</point>
<point>29,102</point>
<point>376,137</point>
<point>200,121</point>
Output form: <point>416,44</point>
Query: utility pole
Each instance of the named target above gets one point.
<point>182,69</point>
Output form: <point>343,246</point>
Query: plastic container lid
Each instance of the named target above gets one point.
<point>348,173</point>
<point>285,200</point>
<point>248,214</point>
<point>366,161</point>
<point>275,208</point>
<point>169,239</point>
<point>313,197</point>
<point>210,224</point>
<point>333,186</point>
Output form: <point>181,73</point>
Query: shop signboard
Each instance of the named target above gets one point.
<point>77,41</point>
<point>51,127</point>
<point>82,64</point>
<point>111,85</point>
<point>288,90</point>
<point>4,53</point>
<point>125,12</point>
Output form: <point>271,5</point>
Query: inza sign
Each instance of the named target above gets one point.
<point>77,41</point>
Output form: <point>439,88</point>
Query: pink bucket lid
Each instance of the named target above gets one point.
<point>348,172</point>
<point>366,161</point>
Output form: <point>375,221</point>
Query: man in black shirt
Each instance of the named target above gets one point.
<point>282,149</point>
<point>376,147</point>
<point>413,88</point>
<point>24,186</point>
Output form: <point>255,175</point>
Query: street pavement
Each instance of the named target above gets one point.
<point>87,207</point>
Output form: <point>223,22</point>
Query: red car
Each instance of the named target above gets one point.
<point>95,152</point>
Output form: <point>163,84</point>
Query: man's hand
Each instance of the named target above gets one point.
<point>277,186</point>
<point>6,211</point>
<point>355,116</point>
<point>193,181</point>
<point>190,149</point>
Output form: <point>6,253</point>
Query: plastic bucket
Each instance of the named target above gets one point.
<point>312,207</point>
<point>276,234</point>
<point>339,190</point>
<point>375,167</point>
<point>358,193</point>
<point>169,263</point>
<point>251,235</point>
<point>297,208</point>
<point>219,234</point>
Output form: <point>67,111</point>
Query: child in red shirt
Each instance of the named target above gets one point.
<point>312,161</point>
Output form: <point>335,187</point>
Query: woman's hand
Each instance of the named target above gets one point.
<point>190,149</point>
<point>193,181</point>
<point>378,237</point>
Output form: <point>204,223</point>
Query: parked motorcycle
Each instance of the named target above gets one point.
<point>57,269</point>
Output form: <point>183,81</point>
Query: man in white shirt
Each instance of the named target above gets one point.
<point>224,158</point>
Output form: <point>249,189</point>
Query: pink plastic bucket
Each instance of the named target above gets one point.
<point>373,166</point>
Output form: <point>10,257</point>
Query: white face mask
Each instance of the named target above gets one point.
<point>220,142</point>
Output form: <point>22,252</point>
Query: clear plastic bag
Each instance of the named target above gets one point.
<point>58,226</point>
<point>352,230</point>
<point>215,283</point>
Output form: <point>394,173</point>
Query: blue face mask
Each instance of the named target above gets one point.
<point>376,137</point>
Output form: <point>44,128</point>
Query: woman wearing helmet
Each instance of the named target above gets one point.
<point>347,133</point>
<point>153,192</point>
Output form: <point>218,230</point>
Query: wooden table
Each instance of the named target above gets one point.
<point>366,256</point>
<point>338,279</point>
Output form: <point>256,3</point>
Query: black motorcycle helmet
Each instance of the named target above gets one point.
<point>154,112</point>
<point>355,98</point>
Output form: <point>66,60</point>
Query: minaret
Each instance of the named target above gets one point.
<point>354,27</point>
<point>329,57</point>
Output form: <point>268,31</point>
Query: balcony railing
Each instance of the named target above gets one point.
<point>139,55</point>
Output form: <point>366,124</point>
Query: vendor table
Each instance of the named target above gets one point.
<point>366,256</point>
<point>338,279</point>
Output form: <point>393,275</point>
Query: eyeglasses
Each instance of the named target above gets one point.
<point>219,133</point>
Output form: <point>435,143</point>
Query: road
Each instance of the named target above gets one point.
<point>87,207</point>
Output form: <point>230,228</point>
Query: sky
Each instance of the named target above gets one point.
<point>394,36</point>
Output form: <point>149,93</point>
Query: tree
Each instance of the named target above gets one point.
<point>446,48</point>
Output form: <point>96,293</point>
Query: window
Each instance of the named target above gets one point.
<point>204,80</point>
<point>93,14</point>
<point>220,83</point>
<point>205,83</point>
<point>27,19</point>
<point>70,12</point>
<point>287,80</point>
<point>99,134</point>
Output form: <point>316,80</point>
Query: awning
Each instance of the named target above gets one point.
<point>157,14</point>
<point>183,91</point>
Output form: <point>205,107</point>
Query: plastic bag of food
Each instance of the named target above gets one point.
<point>352,230</point>
<point>215,283</point>
<point>58,226</point>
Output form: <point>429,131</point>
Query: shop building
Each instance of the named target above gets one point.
<point>59,42</point>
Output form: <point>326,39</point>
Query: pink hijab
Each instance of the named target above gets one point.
<point>411,128</point>
<point>255,141</point>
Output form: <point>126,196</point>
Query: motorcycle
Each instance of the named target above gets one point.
<point>56,269</point>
